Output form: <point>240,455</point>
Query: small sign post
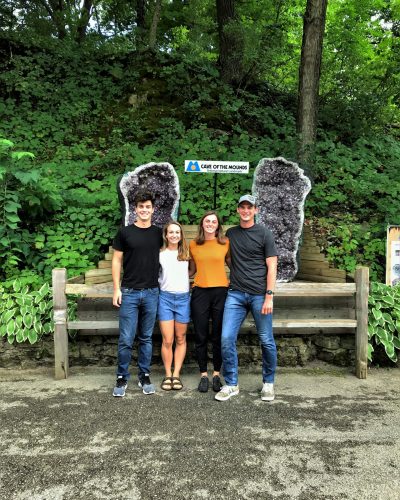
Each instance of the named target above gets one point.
<point>393,255</point>
<point>216,167</point>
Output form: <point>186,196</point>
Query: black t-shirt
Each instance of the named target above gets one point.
<point>249,248</point>
<point>141,247</point>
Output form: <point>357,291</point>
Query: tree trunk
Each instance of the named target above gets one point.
<point>140,14</point>
<point>55,9</point>
<point>309,76</point>
<point>84,18</point>
<point>230,42</point>
<point>154,24</point>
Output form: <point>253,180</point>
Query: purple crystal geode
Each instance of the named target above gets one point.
<point>281,187</point>
<point>158,178</point>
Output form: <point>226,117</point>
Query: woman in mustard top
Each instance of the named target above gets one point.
<point>208,253</point>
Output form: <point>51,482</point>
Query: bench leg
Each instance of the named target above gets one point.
<point>61,361</point>
<point>362,286</point>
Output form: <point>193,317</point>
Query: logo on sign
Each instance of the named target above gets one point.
<point>193,166</point>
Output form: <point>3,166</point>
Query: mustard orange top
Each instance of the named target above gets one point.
<point>210,263</point>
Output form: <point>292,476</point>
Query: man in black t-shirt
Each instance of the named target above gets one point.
<point>253,265</point>
<point>137,250</point>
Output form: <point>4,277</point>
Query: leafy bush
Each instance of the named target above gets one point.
<point>25,314</point>
<point>348,243</point>
<point>25,197</point>
<point>384,319</point>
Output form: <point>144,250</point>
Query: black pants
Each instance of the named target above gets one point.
<point>206,304</point>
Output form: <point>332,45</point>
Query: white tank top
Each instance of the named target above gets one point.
<point>174,273</point>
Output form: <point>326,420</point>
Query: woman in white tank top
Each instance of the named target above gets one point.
<point>174,303</point>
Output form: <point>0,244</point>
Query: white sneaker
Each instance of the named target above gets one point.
<point>226,392</point>
<point>267,392</point>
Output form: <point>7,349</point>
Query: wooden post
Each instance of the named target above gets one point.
<point>362,284</point>
<point>60,324</point>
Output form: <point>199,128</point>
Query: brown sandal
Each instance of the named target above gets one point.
<point>166,384</point>
<point>176,384</point>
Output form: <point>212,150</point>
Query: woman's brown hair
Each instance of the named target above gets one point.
<point>183,247</point>
<point>219,233</point>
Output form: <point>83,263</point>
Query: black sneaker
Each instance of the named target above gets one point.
<point>203,384</point>
<point>216,383</point>
<point>120,386</point>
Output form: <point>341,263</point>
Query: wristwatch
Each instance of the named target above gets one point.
<point>269,292</point>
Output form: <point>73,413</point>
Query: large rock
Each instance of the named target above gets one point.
<point>158,178</point>
<point>281,187</point>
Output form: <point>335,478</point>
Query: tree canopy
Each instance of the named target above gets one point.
<point>96,87</point>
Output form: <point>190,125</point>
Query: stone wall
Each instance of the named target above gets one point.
<point>102,351</point>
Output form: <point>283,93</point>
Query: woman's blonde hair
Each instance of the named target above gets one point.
<point>183,247</point>
<point>219,233</point>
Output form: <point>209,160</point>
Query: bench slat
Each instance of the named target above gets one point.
<point>277,323</point>
<point>294,289</point>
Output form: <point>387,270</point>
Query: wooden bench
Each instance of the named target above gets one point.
<point>299,305</point>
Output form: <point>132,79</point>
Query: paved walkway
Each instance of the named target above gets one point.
<point>327,435</point>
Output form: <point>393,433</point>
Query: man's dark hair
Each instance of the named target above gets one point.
<point>141,196</point>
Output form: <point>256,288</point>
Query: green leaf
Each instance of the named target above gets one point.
<point>387,317</point>
<point>43,291</point>
<point>396,342</point>
<point>10,339</point>
<point>388,299</point>
<point>32,336</point>
<point>10,327</point>
<point>382,335</point>
<point>3,330</point>
<point>18,155</point>
<point>377,313</point>
<point>18,322</point>
<point>8,315</point>
<point>6,144</point>
<point>47,328</point>
<point>20,336</point>
<point>21,302</point>
<point>371,331</point>
<point>37,326</point>
<point>28,320</point>
<point>12,218</point>
<point>389,349</point>
<point>16,286</point>
<point>390,326</point>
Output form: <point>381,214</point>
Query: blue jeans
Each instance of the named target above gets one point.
<point>237,306</point>
<point>138,311</point>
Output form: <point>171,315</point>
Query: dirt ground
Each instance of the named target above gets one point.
<point>327,435</point>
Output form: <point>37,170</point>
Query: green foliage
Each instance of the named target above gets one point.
<point>73,240</point>
<point>359,81</point>
<point>25,314</point>
<point>23,191</point>
<point>384,319</point>
<point>349,243</point>
<point>362,179</point>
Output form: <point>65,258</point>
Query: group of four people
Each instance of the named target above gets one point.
<point>156,268</point>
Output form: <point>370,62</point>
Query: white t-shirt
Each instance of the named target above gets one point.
<point>174,273</point>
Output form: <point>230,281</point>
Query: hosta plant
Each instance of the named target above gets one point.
<point>25,314</point>
<point>384,319</point>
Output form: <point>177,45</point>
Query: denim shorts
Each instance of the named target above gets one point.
<point>174,306</point>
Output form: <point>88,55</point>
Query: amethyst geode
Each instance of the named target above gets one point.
<point>281,187</point>
<point>158,178</point>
